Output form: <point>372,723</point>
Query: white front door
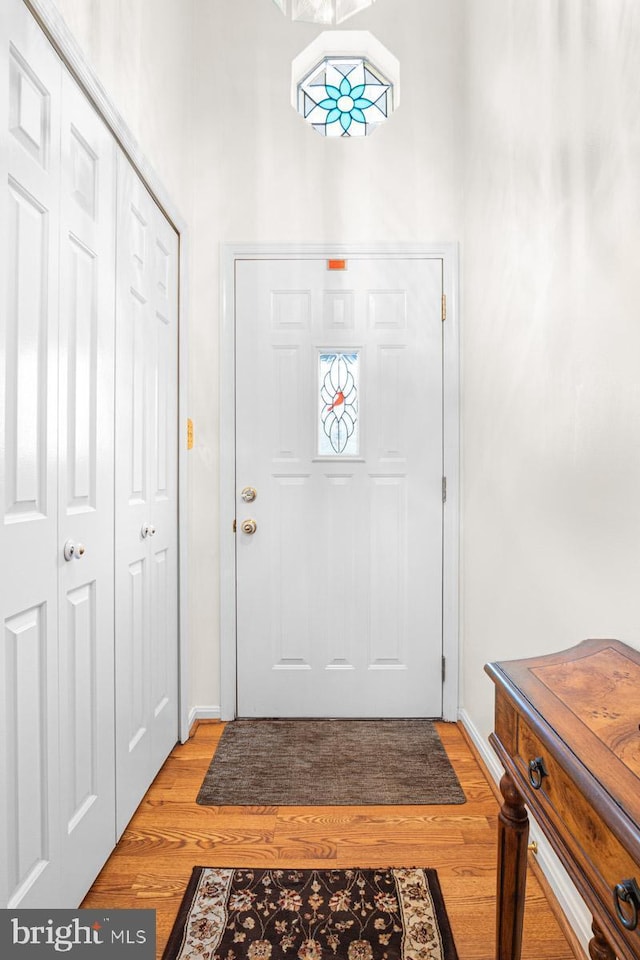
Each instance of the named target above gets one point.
<point>339,432</point>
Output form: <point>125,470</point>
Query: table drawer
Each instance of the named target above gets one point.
<point>593,846</point>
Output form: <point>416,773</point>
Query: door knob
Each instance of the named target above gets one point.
<point>249,494</point>
<point>74,550</point>
<point>147,530</point>
<point>249,526</point>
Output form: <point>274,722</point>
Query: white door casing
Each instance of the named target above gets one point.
<point>231,255</point>
<point>146,492</point>
<point>339,590</point>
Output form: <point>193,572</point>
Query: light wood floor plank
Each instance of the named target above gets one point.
<point>170,833</point>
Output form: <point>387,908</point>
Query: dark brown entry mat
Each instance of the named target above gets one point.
<point>330,762</point>
<point>257,914</point>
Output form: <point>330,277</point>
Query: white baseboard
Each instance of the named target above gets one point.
<point>203,713</point>
<point>571,904</point>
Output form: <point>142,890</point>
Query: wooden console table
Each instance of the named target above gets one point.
<point>567,731</point>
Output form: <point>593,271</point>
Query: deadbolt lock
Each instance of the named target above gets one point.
<point>249,526</point>
<point>249,494</point>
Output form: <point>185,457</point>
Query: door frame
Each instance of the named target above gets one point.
<point>448,253</point>
<point>64,43</point>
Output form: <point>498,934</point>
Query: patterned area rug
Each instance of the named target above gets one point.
<point>329,762</point>
<point>247,914</point>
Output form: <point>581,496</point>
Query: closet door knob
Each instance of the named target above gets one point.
<point>74,551</point>
<point>147,530</point>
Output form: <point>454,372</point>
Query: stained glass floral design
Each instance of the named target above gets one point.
<point>345,97</point>
<point>338,432</point>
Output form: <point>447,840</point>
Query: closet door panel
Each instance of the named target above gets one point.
<point>164,472</point>
<point>146,501</point>
<point>132,476</point>
<point>30,77</point>
<point>86,489</point>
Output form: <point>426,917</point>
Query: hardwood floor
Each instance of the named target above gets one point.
<point>170,833</point>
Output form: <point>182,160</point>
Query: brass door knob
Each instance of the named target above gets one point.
<point>249,526</point>
<point>249,494</point>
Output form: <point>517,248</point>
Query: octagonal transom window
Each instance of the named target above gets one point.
<point>345,83</point>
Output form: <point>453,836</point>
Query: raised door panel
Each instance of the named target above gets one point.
<point>86,493</point>
<point>28,767</point>
<point>291,624</point>
<point>30,78</point>
<point>340,537</point>
<point>388,574</point>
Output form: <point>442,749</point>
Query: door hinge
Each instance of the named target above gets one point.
<point>444,306</point>
<point>444,489</point>
<point>234,526</point>
<point>444,668</point>
<point>189,433</point>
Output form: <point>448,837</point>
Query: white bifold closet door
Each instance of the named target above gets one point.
<point>88,461</point>
<point>57,166</point>
<point>146,491</point>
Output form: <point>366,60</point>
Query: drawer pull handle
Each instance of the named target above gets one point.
<point>536,772</point>
<point>627,892</point>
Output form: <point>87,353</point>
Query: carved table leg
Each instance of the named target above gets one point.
<point>599,949</point>
<point>513,831</point>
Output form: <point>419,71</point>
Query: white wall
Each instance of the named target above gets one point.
<point>551,341</point>
<point>141,51</point>
<point>551,306</point>
<point>263,175</point>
